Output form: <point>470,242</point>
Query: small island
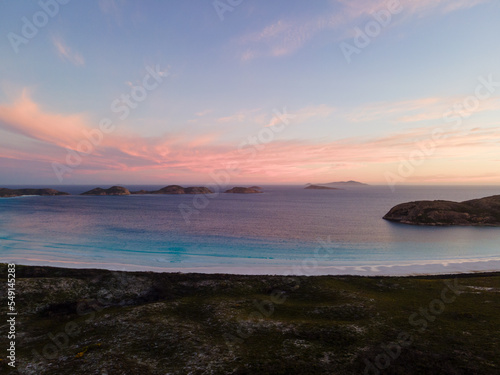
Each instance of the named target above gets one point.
<point>10,193</point>
<point>476,212</point>
<point>342,184</point>
<point>320,187</point>
<point>243,190</point>
<point>177,189</point>
<point>114,190</point>
<point>347,183</point>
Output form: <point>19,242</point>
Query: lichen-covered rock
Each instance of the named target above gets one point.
<point>484,211</point>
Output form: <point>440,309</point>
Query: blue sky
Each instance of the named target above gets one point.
<point>227,70</point>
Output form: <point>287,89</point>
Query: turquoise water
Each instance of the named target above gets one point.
<point>278,229</point>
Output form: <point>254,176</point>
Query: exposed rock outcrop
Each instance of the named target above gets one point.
<point>198,190</point>
<point>484,211</point>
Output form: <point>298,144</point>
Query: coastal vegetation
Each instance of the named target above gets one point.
<point>81,321</point>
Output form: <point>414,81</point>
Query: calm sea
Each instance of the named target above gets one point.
<point>287,229</point>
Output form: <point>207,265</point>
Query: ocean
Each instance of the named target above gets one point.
<point>285,230</point>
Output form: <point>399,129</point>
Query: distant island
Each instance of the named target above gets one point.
<point>244,190</point>
<point>114,190</point>
<point>170,189</point>
<point>319,187</point>
<point>177,189</point>
<point>347,183</point>
<point>9,193</point>
<point>117,191</point>
<point>476,212</point>
<point>341,184</point>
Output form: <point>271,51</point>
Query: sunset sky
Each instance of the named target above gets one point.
<point>265,92</point>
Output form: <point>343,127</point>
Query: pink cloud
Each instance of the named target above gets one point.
<point>67,53</point>
<point>43,136</point>
<point>26,118</point>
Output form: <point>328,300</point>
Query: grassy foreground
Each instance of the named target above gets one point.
<point>103,322</point>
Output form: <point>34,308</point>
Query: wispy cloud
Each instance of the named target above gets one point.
<point>204,113</point>
<point>25,117</point>
<point>286,35</point>
<point>66,53</point>
<point>200,155</point>
<point>422,109</point>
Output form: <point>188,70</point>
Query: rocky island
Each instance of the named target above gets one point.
<point>243,190</point>
<point>320,187</point>
<point>484,212</point>
<point>177,189</point>
<point>170,189</point>
<point>9,193</point>
<point>347,183</point>
<point>339,184</point>
<point>114,190</point>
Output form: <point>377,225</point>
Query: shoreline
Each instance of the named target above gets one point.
<point>400,269</point>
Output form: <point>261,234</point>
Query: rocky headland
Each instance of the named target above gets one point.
<point>9,193</point>
<point>477,212</point>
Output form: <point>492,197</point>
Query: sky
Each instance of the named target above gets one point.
<point>249,92</point>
